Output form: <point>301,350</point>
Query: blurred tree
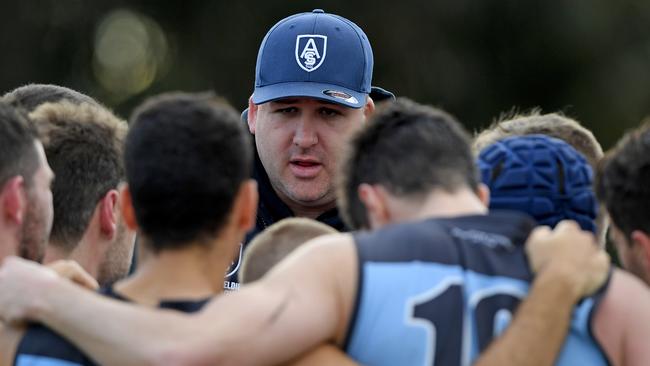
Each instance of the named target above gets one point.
<point>473,58</point>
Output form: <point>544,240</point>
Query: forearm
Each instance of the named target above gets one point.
<point>325,354</point>
<point>111,332</point>
<point>540,325</point>
<point>9,338</point>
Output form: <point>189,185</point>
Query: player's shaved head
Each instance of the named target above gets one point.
<point>278,241</point>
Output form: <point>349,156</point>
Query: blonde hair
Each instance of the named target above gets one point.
<point>551,124</point>
<point>276,242</point>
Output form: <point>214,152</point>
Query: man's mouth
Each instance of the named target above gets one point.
<point>305,168</point>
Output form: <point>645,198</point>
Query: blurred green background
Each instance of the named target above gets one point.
<point>476,59</point>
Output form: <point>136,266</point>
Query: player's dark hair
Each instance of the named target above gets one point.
<point>84,146</point>
<point>622,182</point>
<point>186,157</point>
<point>409,149</point>
<point>30,96</point>
<point>18,154</point>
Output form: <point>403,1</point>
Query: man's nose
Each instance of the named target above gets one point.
<point>306,134</point>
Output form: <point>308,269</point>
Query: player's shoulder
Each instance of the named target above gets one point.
<point>329,244</point>
<point>622,314</point>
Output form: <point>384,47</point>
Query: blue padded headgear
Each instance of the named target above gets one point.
<point>542,176</point>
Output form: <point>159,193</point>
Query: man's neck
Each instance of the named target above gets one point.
<point>194,273</point>
<point>8,244</point>
<point>84,253</point>
<point>54,253</point>
<point>438,204</point>
<point>310,212</point>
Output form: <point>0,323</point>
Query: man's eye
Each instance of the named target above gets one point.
<point>329,112</point>
<point>287,110</point>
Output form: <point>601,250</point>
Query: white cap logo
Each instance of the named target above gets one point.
<point>310,51</point>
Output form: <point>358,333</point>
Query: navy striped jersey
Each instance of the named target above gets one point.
<point>436,292</point>
<point>41,346</point>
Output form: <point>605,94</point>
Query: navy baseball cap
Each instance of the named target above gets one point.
<point>542,176</point>
<point>315,55</point>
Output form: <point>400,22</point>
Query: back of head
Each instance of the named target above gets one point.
<point>552,124</point>
<point>186,157</point>
<point>30,96</point>
<point>84,146</point>
<point>410,149</point>
<point>276,242</point>
<point>542,176</point>
<point>623,181</point>
<point>18,154</point>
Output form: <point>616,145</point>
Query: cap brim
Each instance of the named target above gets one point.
<point>326,92</point>
<point>380,94</point>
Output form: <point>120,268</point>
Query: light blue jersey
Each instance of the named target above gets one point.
<point>437,292</point>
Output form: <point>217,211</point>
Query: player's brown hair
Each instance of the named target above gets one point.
<point>622,182</point>
<point>551,124</point>
<point>409,149</point>
<point>84,144</point>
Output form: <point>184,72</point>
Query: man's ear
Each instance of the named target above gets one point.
<point>369,108</point>
<point>14,200</point>
<point>375,201</point>
<point>246,205</point>
<point>108,212</point>
<point>642,239</point>
<point>252,115</point>
<point>483,193</point>
<point>126,206</point>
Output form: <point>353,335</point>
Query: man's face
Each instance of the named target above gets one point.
<point>630,254</point>
<point>300,142</point>
<point>117,260</point>
<point>39,212</point>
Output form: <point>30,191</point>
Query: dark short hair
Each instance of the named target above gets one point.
<point>84,146</point>
<point>30,96</point>
<point>18,154</point>
<point>186,157</point>
<point>623,181</point>
<point>409,149</point>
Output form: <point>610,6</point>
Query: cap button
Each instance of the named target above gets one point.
<point>317,11</point>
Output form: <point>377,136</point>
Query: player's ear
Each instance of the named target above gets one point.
<point>108,213</point>
<point>252,115</point>
<point>483,193</point>
<point>369,108</point>
<point>642,239</point>
<point>126,206</point>
<point>247,204</point>
<point>14,200</point>
<point>374,199</point>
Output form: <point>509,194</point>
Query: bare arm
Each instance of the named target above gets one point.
<point>326,354</point>
<point>9,339</point>
<point>539,326</point>
<point>622,321</point>
<point>10,336</point>
<point>570,266</point>
<point>256,317</point>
